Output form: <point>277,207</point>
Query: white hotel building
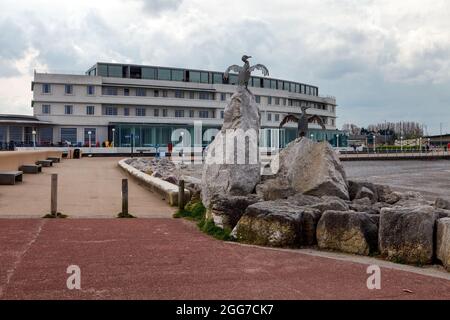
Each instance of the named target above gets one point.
<point>149,102</point>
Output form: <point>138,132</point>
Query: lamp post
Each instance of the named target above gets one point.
<point>89,135</point>
<point>374,143</point>
<point>182,144</point>
<point>337,141</point>
<point>312,136</point>
<point>34,138</point>
<point>401,143</point>
<point>113,137</point>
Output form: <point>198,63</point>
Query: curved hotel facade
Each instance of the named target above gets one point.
<point>148,103</point>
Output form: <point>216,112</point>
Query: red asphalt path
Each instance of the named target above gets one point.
<point>170,259</point>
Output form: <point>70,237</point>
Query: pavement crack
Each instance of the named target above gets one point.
<point>10,272</point>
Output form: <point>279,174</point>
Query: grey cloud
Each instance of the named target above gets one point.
<point>155,7</point>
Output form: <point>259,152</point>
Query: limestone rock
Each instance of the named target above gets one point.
<point>310,168</point>
<point>330,203</point>
<point>274,189</point>
<point>351,232</point>
<point>386,195</point>
<point>277,224</point>
<point>406,234</point>
<point>442,204</point>
<point>226,211</point>
<point>362,189</point>
<point>365,192</point>
<point>443,242</point>
<point>230,172</point>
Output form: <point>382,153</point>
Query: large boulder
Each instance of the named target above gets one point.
<point>330,203</point>
<point>277,224</point>
<point>406,234</point>
<point>310,168</point>
<point>226,211</point>
<point>228,170</point>
<point>347,231</point>
<point>443,242</point>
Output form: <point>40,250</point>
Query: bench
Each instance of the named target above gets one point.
<point>54,159</point>
<point>31,168</point>
<point>10,177</point>
<point>45,163</point>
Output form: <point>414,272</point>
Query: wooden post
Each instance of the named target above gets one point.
<point>125,197</point>
<point>181,195</point>
<point>54,195</point>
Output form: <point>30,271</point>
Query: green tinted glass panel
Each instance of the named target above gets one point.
<point>194,76</point>
<point>256,82</point>
<point>204,77</point>
<point>280,85</point>
<point>273,84</point>
<point>285,85</point>
<point>103,70</point>
<point>148,73</point>
<point>163,74</point>
<point>115,71</point>
<point>217,78</point>
<point>233,79</point>
<point>266,83</point>
<point>177,75</point>
<point>297,88</point>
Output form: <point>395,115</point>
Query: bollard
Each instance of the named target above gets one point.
<point>125,197</point>
<point>181,195</point>
<point>54,195</point>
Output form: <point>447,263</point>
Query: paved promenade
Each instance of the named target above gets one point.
<point>88,187</point>
<point>171,259</point>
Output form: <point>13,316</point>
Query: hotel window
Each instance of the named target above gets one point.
<point>277,101</point>
<point>258,99</point>
<point>140,112</point>
<point>269,100</point>
<point>90,110</point>
<point>126,111</point>
<point>111,111</point>
<point>286,85</point>
<point>273,84</point>
<point>303,89</point>
<point>266,83</point>
<point>177,75</point>
<point>256,82</point>
<point>90,90</point>
<point>156,93</point>
<point>46,88</point>
<point>194,76</point>
<point>179,113</point>
<point>203,114</point>
<point>156,112</point>
<point>279,85</point>
<point>115,71</point>
<point>68,109</point>
<point>269,117</point>
<point>141,92</point>
<point>284,101</point>
<point>192,95</point>
<point>191,113</point>
<point>277,117</point>
<point>297,88</point>
<point>109,91</point>
<point>46,109</point>
<point>222,114</point>
<point>164,93</point>
<point>68,89</point>
<point>163,74</point>
<point>223,96</point>
<point>148,73</point>
<point>179,94</point>
<point>204,95</point>
<point>69,134</point>
<point>204,77</point>
<point>126,91</point>
<point>164,113</point>
<point>217,78</point>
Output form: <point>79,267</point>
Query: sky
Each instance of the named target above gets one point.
<point>383,60</point>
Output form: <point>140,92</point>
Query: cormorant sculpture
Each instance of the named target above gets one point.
<point>245,71</point>
<point>302,122</point>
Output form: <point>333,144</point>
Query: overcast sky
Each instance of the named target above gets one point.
<point>382,59</point>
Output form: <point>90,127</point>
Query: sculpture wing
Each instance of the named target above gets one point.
<point>234,68</point>
<point>261,67</point>
<point>318,119</point>
<point>288,118</point>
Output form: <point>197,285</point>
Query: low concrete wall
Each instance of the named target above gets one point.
<point>12,160</point>
<point>166,189</point>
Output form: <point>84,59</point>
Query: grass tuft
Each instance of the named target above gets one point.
<point>52,216</point>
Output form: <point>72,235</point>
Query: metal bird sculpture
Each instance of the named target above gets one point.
<point>302,122</point>
<point>245,71</point>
